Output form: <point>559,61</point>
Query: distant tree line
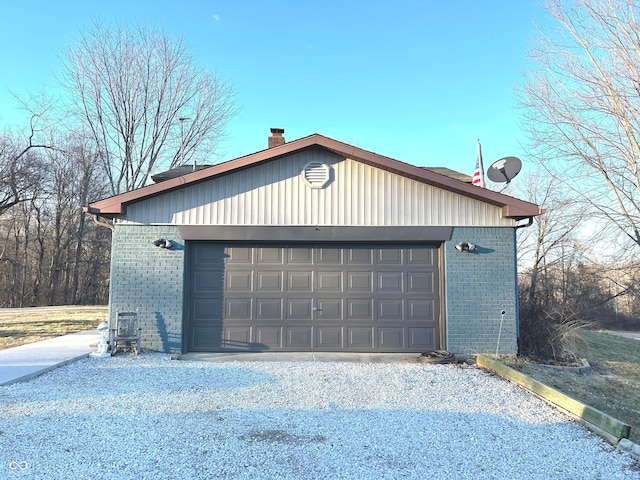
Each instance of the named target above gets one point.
<point>571,275</point>
<point>51,252</point>
<point>137,103</point>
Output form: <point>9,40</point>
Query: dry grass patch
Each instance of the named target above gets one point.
<point>614,385</point>
<point>28,325</point>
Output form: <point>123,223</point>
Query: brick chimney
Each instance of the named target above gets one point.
<point>276,139</point>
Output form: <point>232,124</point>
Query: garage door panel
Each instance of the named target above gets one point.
<point>329,309</point>
<point>299,309</point>
<point>360,309</point>
<point>300,281</point>
<point>208,279</point>
<point>269,281</point>
<point>299,338</point>
<point>329,256</point>
<point>206,309</point>
<point>212,255</point>
<point>329,281</point>
<point>238,308</point>
<point>360,282</point>
<point>421,338</point>
<point>237,337</point>
<point>332,297</point>
<point>390,310</point>
<point>390,282</point>
<point>420,256</point>
<point>239,255</point>
<point>203,338</point>
<point>420,282</point>
<point>269,255</point>
<point>421,311</point>
<point>329,337</point>
<point>239,281</point>
<point>359,256</point>
<point>299,256</point>
<point>269,309</point>
<point>360,338</point>
<point>391,338</point>
<point>269,338</point>
<point>389,256</point>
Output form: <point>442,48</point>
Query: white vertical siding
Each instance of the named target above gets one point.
<point>275,194</point>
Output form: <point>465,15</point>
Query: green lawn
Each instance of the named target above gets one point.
<point>28,325</point>
<point>614,385</point>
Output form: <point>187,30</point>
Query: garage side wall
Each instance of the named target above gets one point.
<point>150,279</point>
<point>479,285</point>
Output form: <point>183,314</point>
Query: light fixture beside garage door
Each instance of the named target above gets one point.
<point>316,174</point>
<point>465,247</point>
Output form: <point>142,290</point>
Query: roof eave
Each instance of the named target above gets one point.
<point>512,207</point>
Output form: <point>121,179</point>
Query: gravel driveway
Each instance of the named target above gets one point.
<point>148,417</point>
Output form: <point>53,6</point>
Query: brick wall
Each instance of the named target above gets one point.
<point>150,279</point>
<point>479,285</point>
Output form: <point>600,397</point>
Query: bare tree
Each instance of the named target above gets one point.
<point>543,247</point>
<point>145,101</point>
<point>582,106</point>
<point>20,166</point>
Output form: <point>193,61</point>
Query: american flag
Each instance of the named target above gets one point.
<point>478,173</point>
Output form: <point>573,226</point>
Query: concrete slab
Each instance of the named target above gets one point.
<point>27,361</point>
<point>303,357</point>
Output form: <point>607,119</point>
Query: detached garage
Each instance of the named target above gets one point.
<point>316,245</point>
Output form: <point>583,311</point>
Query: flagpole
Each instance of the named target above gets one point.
<point>478,174</point>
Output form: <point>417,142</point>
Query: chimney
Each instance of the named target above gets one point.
<point>276,139</point>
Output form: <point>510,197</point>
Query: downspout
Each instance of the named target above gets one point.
<point>103,223</point>
<point>524,225</point>
<point>100,221</point>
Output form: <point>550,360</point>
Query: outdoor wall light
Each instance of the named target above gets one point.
<point>163,243</point>
<point>465,247</point>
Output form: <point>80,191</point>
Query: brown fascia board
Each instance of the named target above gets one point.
<point>511,207</point>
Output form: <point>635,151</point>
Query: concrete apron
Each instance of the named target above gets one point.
<point>302,357</point>
<point>33,359</point>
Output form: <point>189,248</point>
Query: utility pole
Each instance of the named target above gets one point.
<point>182,120</point>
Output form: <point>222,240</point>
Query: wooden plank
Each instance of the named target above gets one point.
<point>588,414</point>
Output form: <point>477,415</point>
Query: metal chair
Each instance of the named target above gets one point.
<point>126,335</point>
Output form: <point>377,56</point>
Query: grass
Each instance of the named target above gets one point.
<point>28,325</point>
<point>614,385</point>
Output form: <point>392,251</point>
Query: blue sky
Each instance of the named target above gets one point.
<point>418,81</point>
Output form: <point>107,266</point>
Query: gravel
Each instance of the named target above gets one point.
<point>147,417</point>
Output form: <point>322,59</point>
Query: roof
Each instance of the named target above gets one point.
<point>511,207</point>
<point>176,172</point>
<point>463,177</point>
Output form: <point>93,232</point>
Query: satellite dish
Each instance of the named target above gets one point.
<point>504,170</point>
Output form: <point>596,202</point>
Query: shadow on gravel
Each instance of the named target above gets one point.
<point>302,444</point>
<point>122,375</point>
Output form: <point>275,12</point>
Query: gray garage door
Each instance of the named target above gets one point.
<point>326,297</point>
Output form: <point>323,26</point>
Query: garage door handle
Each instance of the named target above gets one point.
<point>316,309</point>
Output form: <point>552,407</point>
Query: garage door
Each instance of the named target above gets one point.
<point>325,297</point>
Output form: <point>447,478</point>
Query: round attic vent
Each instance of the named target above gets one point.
<point>316,174</point>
